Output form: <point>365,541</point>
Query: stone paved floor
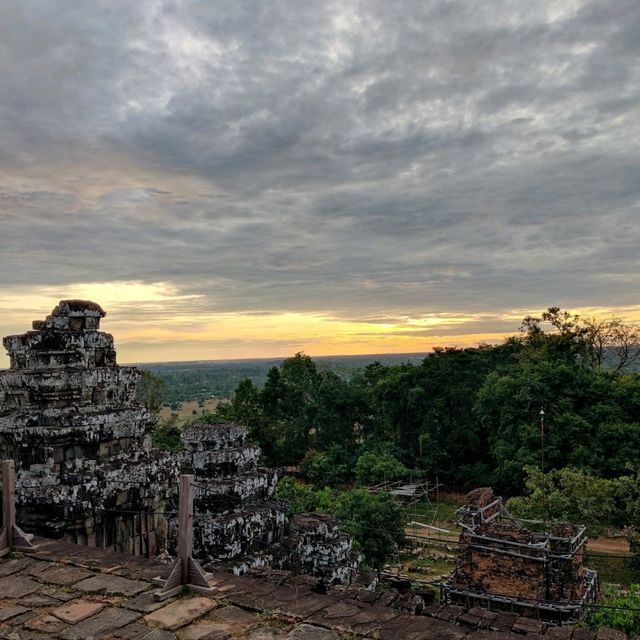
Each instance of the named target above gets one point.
<point>69,592</point>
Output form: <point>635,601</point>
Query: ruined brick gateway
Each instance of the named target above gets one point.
<point>86,469</point>
<point>508,563</point>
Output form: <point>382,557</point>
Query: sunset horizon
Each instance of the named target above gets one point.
<point>148,328</point>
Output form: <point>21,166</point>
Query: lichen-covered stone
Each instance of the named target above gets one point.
<point>315,546</point>
<point>70,420</point>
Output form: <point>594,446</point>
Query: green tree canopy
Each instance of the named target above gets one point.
<point>151,391</point>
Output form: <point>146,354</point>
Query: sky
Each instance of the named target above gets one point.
<point>235,179</point>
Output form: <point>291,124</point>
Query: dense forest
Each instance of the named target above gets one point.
<point>467,416</point>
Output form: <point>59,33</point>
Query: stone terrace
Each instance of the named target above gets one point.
<point>69,592</point>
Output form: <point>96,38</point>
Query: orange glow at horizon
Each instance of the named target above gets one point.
<point>155,323</point>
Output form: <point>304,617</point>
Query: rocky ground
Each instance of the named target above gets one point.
<point>69,592</point>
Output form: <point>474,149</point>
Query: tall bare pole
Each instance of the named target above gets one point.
<point>544,480</point>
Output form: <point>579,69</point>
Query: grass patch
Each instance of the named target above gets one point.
<point>443,511</point>
<point>275,618</point>
<point>425,568</point>
<point>189,410</point>
<point>614,569</point>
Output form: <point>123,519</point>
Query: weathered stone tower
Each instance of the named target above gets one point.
<point>81,442</point>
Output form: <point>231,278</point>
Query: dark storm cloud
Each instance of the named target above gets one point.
<point>354,158</point>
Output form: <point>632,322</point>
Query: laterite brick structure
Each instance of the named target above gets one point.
<point>508,563</point>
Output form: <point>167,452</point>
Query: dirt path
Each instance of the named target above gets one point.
<point>609,545</point>
<point>618,545</point>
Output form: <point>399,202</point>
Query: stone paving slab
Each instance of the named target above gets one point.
<point>100,625</point>
<point>18,586</point>
<point>207,630</point>
<point>340,610</point>
<point>370,622</point>
<point>421,628</point>
<point>64,574</point>
<point>115,585</point>
<point>14,565</point>
<point>159,634</point>
<point>265,633</point>
<point>38,566</point>
<point>21,619</point>
<point>308,605</point>
<point>77,610</point>
<point>180,613</point>
<point>144,603</point>
<point>37,599</point>
<point>483,634</point>
<point>11,612</point>
<point>309,632</point>
<point>235,615</point>
<point>46,624</point>
<point>57,594</point>
<point>133,631</point>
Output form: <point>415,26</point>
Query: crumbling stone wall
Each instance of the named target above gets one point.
<point>236,515</point>
<point>316,546</point>
<point>239,524</point>
<point>566,577</point>
<point>490,567</point>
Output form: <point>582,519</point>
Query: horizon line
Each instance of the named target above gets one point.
<point>345,355</point>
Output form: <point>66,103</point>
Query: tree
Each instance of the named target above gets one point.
<point>612,343</point>
<point>150,391</point>
<point>167,433</point>
<point>329,468</point>
<point>599,342</point>
<point>621,612</point>
<point>567,495</point>
<point>373,468</point>
<point>302,498</point>
<point>288,401</point>
<point>583,408</point>
<point>376,521</point>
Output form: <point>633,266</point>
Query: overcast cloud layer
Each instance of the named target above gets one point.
<point>363,160</point>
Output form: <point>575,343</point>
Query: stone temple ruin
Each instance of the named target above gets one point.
<point>87,471</point>
<point>242,526</point>
<point>81,442</point>
<point>505,563</point>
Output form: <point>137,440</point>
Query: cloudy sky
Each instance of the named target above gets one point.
<point>239,178</point>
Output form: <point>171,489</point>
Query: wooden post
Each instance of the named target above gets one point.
<point>12,538</point>
<point>185,524</point>
<point>186,571</point>
<point>8,498</point>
